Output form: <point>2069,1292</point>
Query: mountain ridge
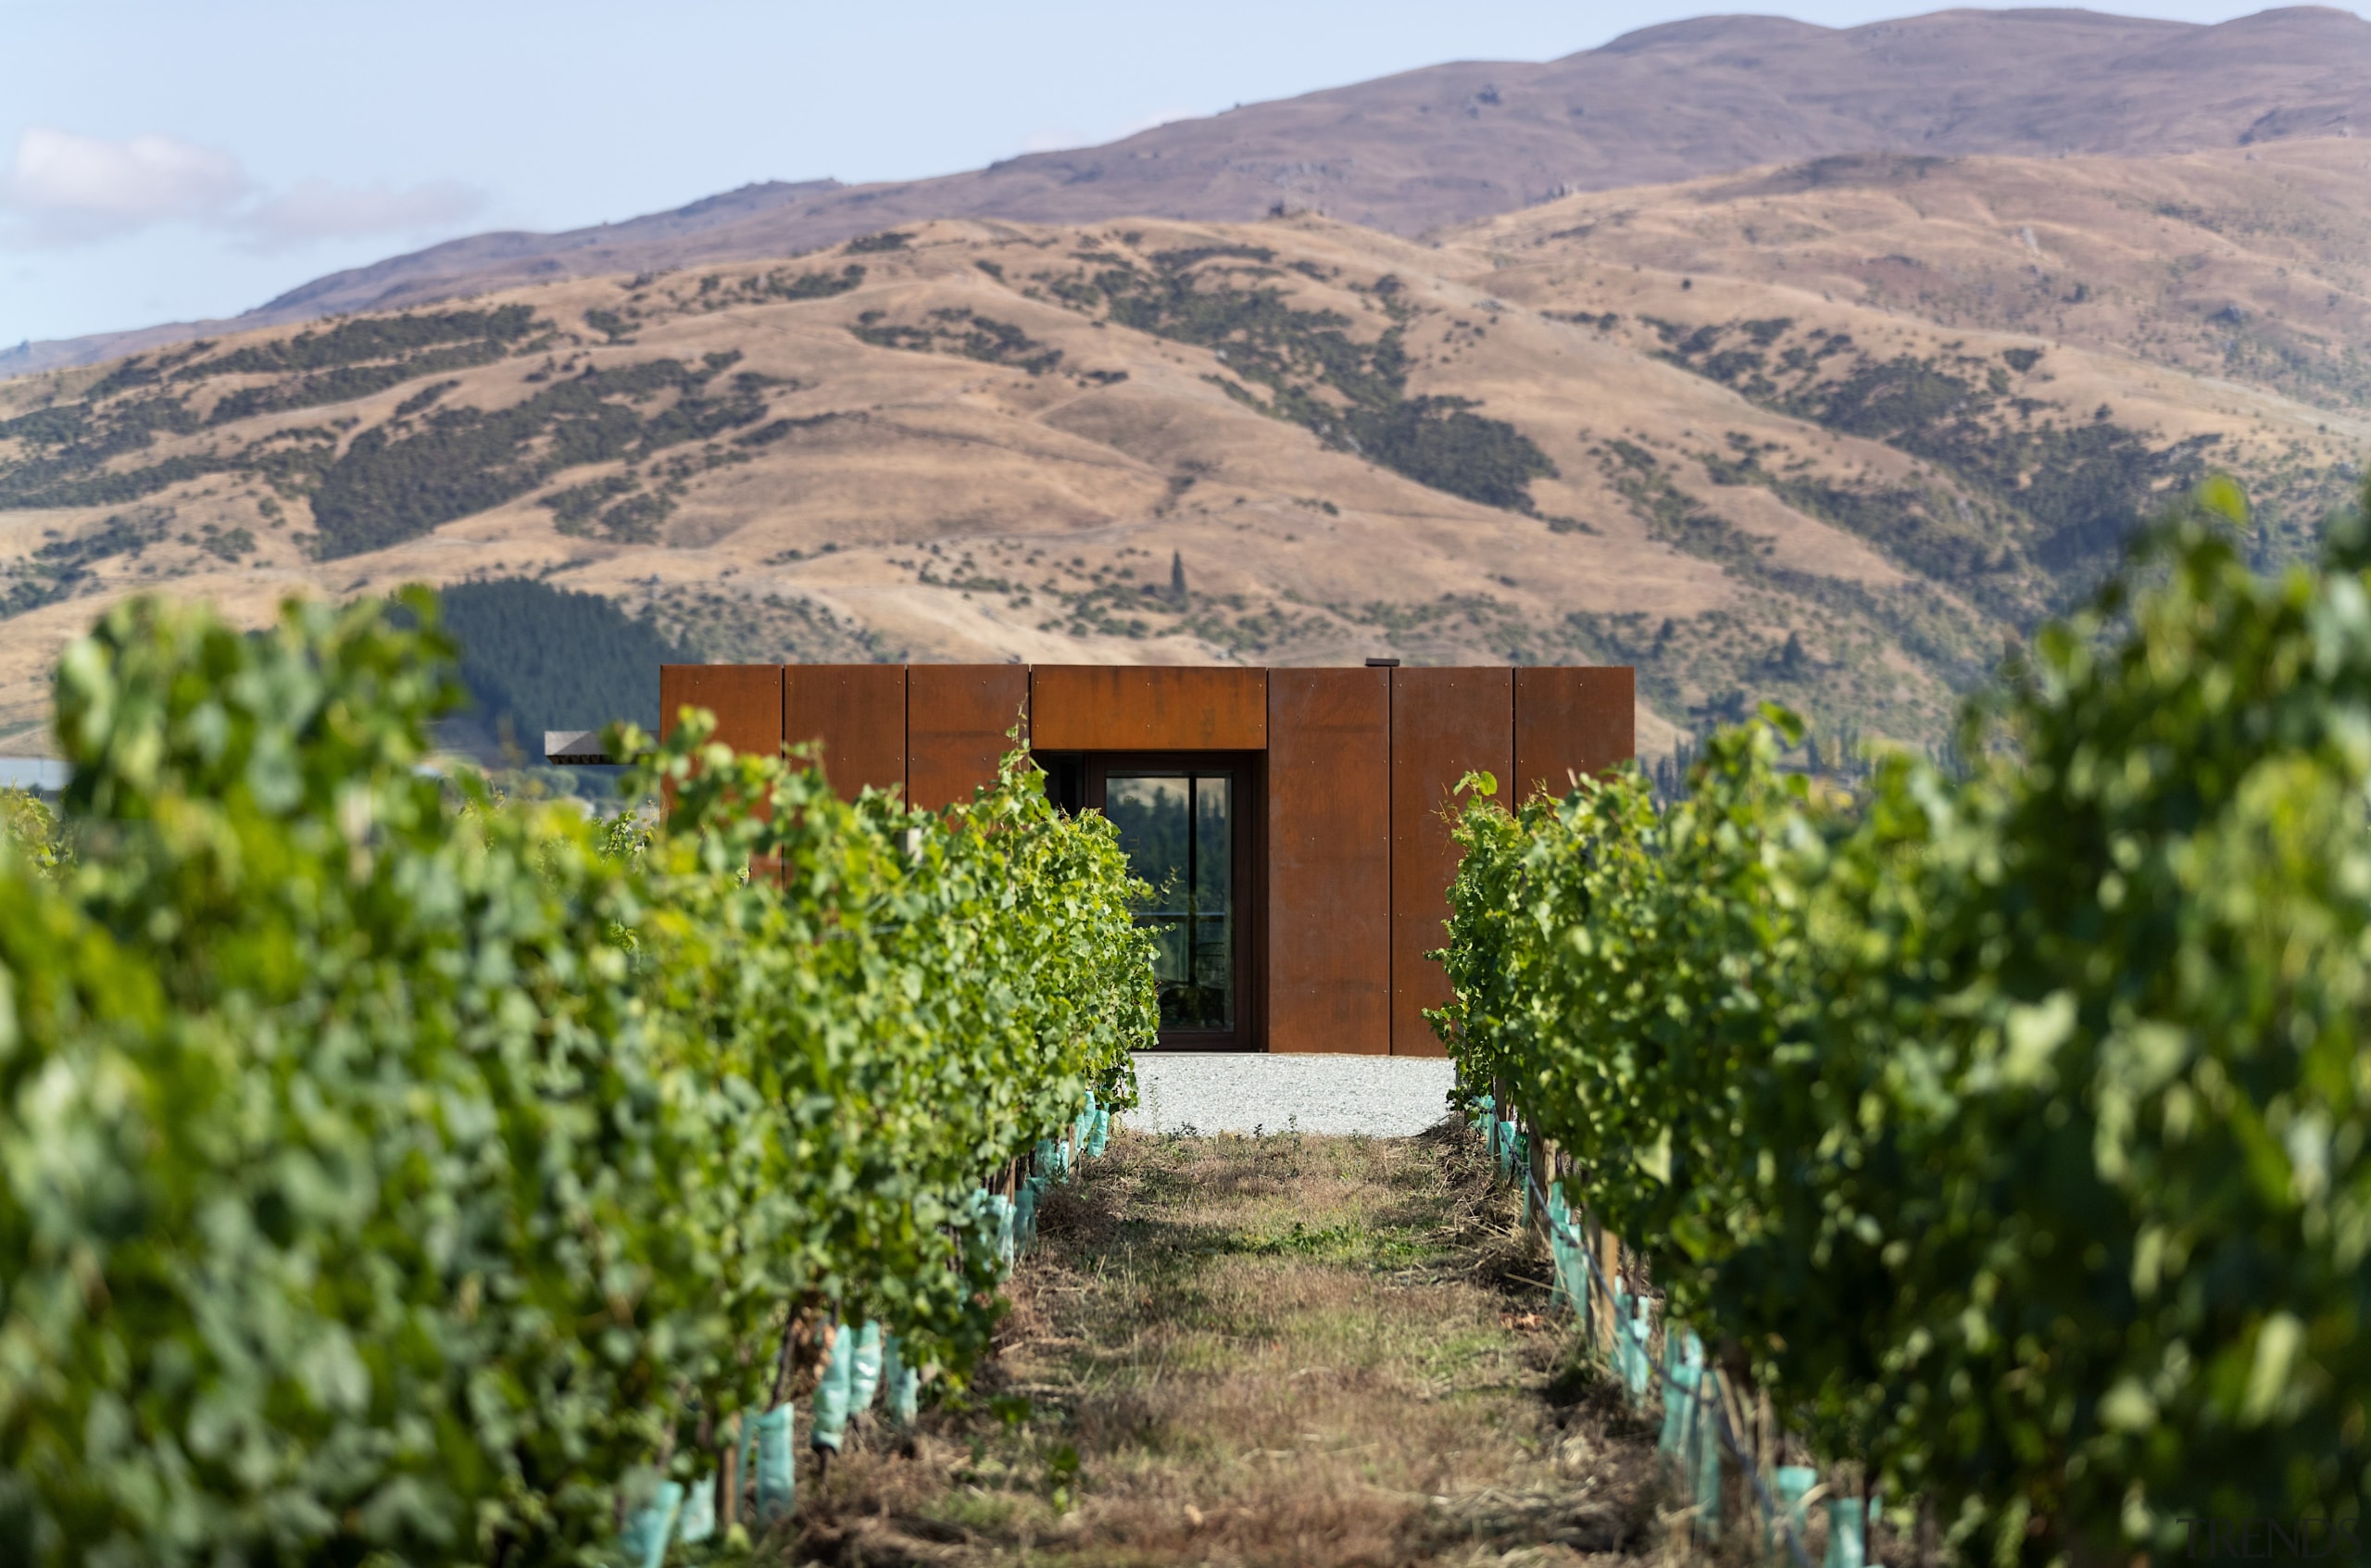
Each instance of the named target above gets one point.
<point>1456,142</point>
<point>1826,440</point>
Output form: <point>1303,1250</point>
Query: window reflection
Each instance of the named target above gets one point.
<point>1178,832</point>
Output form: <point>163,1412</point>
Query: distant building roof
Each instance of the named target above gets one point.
<point>45,775</point>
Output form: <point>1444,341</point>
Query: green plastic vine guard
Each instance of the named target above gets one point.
<point>1690,1437</point>
<point>1705,1470</point>
<point>1025,1214</point>
<point>1642,1361</point>
<point>901,1384</point>
<point>1847,1534</point>
<point>643,1540</point>
<point>1571,1270</point>
<point>832,1390</point>
<point>699,1520</point>
<point>864,1368</point>
<point>1699,1452</point>
<point>1632,1322</point>
<point>777,1479</point>
<point>1560,1288</point>
<point>1573,1279</point>
<point>998,1208</point>
<point>1679,1402</point>
<point>1792,1483</point>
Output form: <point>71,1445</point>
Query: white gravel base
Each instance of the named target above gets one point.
<point>1240,1092</point>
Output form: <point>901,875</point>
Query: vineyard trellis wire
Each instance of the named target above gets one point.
<point>2010,1128</point>
<point>387,1167</point>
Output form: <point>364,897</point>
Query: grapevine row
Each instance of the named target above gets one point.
<point>389,1171</point>
<point>2013,1129</point>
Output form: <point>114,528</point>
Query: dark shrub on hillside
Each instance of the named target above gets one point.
<point>541,658</point>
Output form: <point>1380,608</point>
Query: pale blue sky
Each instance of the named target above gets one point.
<point>161,159</point>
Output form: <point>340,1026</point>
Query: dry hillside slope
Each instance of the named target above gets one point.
<point>1454,143</point>
<point>1289,442</point>
<point>2252,264</point>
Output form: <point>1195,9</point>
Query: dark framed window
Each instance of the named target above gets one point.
<point>1187,821</point>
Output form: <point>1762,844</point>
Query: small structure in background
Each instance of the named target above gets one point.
<point>1292,823</point>
<point>575,748</point>
<point>44,776</point>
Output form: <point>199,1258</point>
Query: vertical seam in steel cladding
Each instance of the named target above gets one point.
<point>1270,925</point>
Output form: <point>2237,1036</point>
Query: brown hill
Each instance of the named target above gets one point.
<point>993,441</point>
<point>2253,264</point>
<point>1450,143</point>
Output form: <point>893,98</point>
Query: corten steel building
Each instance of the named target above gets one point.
<point>1289,821</point>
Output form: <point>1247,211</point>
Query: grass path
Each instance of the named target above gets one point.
<point>1278,1350</point>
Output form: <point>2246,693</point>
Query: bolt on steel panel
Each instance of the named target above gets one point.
<point>956,716</point>
<point>1445,723</point>
<point>1329,860</point>
<point>859,713</point>
<point>746,698</point>
<point>1569,720</point>
<point>1146,708</point>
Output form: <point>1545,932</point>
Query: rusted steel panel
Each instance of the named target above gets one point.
<point>746,698</point>
<point>956,720</point>
<point>1146,708</point>
<point>859,712</point>
<point>1445,723</point>
<point>1571,720</point>
<point>1329,860</point>
<point>1255,896</point>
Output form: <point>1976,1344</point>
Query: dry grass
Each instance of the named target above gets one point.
<point>961,510</point>
<point>1286,1350</point>
<point>2279,234</point>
